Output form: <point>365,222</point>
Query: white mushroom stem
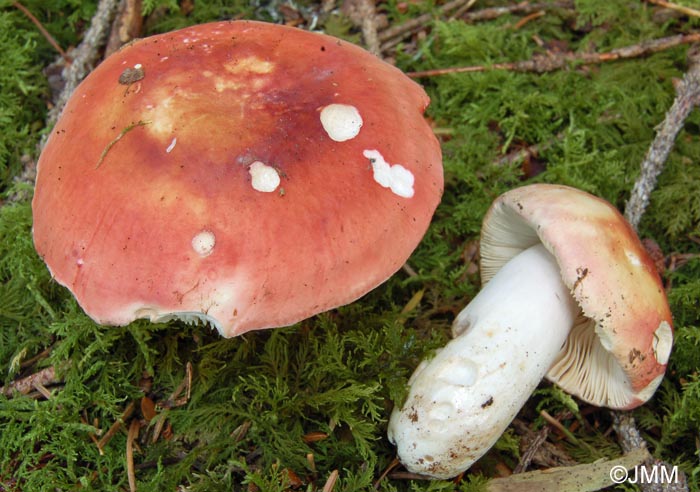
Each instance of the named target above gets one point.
<point>462,400</point>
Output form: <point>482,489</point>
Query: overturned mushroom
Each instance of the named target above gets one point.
<point>224,172</point>
<point>570,294</point>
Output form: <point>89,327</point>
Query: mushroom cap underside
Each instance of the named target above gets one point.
<point>619,346</point>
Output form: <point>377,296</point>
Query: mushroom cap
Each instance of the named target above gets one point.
<point>243,173</point>
<point>617,352</point>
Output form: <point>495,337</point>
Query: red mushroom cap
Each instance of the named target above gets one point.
<point>244,173</point>
<point>617,351</point>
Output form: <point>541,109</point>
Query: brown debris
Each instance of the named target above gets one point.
<point>631,441</point>
<point>127,25</point>
<point>130,443</point>
<point>678,8</point>
<point>363,13</point>
<point>537,449</point>
<point>549,62</point>
<point>34,381</point>
<point>687,98</point>
<point>116,426</point>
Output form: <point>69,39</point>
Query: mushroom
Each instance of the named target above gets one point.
<point>569,293</point>
<point>227,172</point>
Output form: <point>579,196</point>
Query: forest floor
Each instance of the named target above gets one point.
<point>595,94</point>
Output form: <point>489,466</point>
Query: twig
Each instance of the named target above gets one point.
<point>409,270</point>
<point>528,18</point>
<point>417,22</point>
<point>461,10</point>
<point>127,25</point>
<point>25,385</point>
<point>578,478</point>
<point>131,437</point>
<point>559,426</point>
<point>86,54</point>
<point>539,450</point>
<point>116,425</point>
<point>678,8</point>
<point>93,435</point>
<point>29,362</point>
<point>554,61</point>
<point>631,441</point>
<point>43,31</point>
<point>368,12</point>
<point>518,8</point>
<point>186,384</point>
<point>687,97</point>
<point>532,450</point>
<point>404,475</point>
<point>394,463</point>
<point>393,35</point>
<point>42,389</point>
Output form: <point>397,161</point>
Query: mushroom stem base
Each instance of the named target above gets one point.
<point>462,400</point>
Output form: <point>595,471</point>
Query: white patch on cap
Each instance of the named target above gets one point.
<point>203,243</point>
<point>633,259</point>
<point>264,178</point>
<point>171,146</point>
<point>662,343</point>
<point>341,121</point>
<point>395,177</point>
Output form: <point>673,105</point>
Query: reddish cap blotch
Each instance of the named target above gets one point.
<point>244,173</point>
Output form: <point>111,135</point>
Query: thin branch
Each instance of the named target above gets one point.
<point>114,428</point>
<point>368,11</point>
<point>539,449</point>
<point>554,61</point>
<point>127,25</point>
<point>589,476</point>
<point>131,437</point>
<point>532,449</point>
<point>394,463</point>
<point>25,385</point>
<point>461,10</point>
<point>518,8</point>
<point>86,54</point>
<point>678,8</point>
<point>687,97</point>
<point>419,22</point>
<point>528,18</point>
<point>554,422</point>
<point>631,441</point>
<point>43,31</point>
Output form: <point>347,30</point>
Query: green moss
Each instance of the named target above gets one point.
<point>304,401</point>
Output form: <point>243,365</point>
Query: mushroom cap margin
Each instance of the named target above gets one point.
<point>625,324</point>
<point>134,172</point>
